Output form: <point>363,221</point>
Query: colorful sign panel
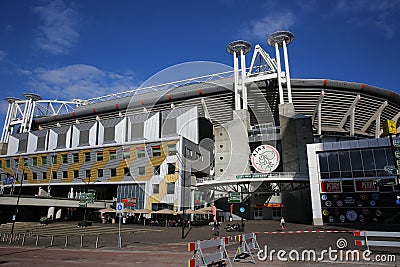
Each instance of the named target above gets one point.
<point>331,187</point>
<point>365,186</point>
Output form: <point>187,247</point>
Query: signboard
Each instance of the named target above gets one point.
<point>8,180</point>
<point>129,202</point>
<point>389,127</point>
<point>273,205</point>
<point>396,143</point>
<point>242,210</point>
<point>366,186</point>
<point>234,197</point>
<point>120,207</point>
<point>253,175</point>
<point>331,187</point>
<point>391,170</point>
<point>265,158</point>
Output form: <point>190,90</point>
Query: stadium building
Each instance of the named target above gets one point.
<point>312,150</point>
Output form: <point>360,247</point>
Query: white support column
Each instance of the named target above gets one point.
<point>319,118</point>
<point>377,126</point>
<point>4,135</point>
<point>278,61</point>
<point>236,78</point>
<point>244,89</point>
<point>288,84</point>
<point>352,120</point>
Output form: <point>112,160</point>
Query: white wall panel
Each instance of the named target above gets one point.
<point>32,143</point>
<point>12,146</point>
<point>52,140</point>
<point>187,125</point>
<point>152,128</point>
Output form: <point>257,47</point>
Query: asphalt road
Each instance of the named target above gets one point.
<point>163,246</point>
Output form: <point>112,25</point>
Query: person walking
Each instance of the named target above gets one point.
<point>282,223</point>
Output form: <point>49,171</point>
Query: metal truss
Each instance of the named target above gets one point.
<point>20,113</point>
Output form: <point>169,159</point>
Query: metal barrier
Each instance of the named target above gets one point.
<point>247,242</point>
<point>201,258</point>
<point>376,243</point>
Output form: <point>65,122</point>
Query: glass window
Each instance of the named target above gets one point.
<point>380,159</point>
<point>156,170</point>
<point>65,158</point>
<point>55,175</point>
<point>368,159</point>
<point>127,172</point>
<point>25,162</point>
<point>113,172</point>
<point>54,159</point>
<point>142,170</point>
<point>75,157</point>
<point>34,176</point>
<point>99,156</point>
<point>156,151</point>
<point>156,188</point>
<point>323,162</point>
<point>171,168</point>
<point>141,153</point>
<point>8,163</point>
<point>65,174</point>
<point>1,164</point>
<point>16,162</point>
<point>344,161</point>
<point>171,150</point>
<point>389,156</point>
<point>25,176</point>
<point>34,161</point>
<point>87,173</point>
<point>170,188</point>
<point>333,162</point>
<point>44,175</point>
<point>356,162</point>
<point>76,174</point>
<point>100,173</point>
<point>113,154</point>
<point>44,160</point>
<point>87,156</point>
<point>126,153</point>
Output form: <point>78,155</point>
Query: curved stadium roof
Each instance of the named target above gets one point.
<point>338,98</point>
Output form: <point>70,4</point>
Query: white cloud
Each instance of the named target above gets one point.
<point>58,32</point>
<point>3,54</point>
<point>261,28</point>
<point>379,15</point>
<point>79,81</point>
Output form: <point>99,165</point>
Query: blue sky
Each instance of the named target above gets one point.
<point>81,49</point>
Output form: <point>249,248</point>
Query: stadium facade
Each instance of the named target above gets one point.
<point>312,150</point>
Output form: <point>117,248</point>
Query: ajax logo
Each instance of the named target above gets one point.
<point>265,158</point>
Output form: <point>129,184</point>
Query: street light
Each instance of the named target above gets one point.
<point>16,206</point>
<point>87,183</point>
<point>182,162</point>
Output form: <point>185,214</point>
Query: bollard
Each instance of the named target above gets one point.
<point>11,238</point>
<point>37,240</point>
<point>66,241</point>
<point>23,240</point>
<point>97,242</point>
<point>52,241</point>
<point>81,241</point>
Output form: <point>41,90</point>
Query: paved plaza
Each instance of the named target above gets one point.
<point>97,245</point>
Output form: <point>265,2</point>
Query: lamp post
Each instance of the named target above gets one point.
<point>182,170</point>
<point>87,183</point>
<point>16,206</point>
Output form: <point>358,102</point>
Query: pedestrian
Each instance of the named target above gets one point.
<point>216,228</point>
<point>282,223</point>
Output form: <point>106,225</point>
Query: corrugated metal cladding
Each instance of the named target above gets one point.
<point>220,102</point>
<point>110,122</point>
